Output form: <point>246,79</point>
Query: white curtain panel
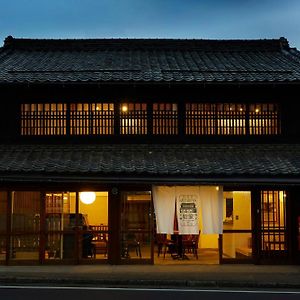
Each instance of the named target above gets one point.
<point>187,203</point>
<point>211,201</point>
<point>164,206</point>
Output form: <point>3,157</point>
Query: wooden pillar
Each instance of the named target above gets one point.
<point>117,118</point>
<point>77,231</point>
<point>114,210</point>
<point>256,224</point>
<point>8,226</point>
<point>42,226</point>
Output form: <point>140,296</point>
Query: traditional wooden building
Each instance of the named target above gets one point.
<point>108,121</point>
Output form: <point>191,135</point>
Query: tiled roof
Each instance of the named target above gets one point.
<point>187,160</point>
<point>148,60</point>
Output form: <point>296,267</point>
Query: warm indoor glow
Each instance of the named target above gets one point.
<point>257,110</point>
<point>124,108</point>
<point>87,197</point>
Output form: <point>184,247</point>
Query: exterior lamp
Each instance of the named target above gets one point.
<point>87,197</point>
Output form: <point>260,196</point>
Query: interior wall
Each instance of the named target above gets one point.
<point>97,212</point>
<point>241,220</point>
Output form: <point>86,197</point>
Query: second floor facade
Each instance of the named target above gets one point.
<point>149,91</point>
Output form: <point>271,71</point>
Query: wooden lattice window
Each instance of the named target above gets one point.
<point>91,118</point>
<point>165,118</point>
<point>273,220</point>
<point>43,119</point>
<point>212,119</point>
<point>231,119</point>
<point>200,118</point>
<point>133,118</point>
<point>264,119</point>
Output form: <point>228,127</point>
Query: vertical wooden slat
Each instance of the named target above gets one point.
<point>8,226</point>
<point>42,233</point>
<point>77,233</point>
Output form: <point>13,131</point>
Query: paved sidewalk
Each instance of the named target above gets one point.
<point>157,275</point>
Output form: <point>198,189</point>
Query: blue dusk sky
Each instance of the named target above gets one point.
<point>203,19</point>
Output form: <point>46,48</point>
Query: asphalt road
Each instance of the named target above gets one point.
<point>78,293</point>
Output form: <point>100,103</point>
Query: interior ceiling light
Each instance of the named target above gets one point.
<point>87,197</point>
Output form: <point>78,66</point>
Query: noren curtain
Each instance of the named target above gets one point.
<point>164,207</point>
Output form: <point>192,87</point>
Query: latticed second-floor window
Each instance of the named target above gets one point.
<point>133,118</point>
<point>200,119</point>
<point>263,119</point>
<point>43,119</point>
<point>231,119</point>
<point>165,118</point>
<point>91,118</point>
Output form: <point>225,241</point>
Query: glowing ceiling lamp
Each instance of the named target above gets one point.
<point>124,108</point>
<point>87,197</point>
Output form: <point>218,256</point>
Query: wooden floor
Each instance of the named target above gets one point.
<point>206,256</point>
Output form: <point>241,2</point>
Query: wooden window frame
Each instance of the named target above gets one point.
<point>238,119</point>
<point>159,118</point>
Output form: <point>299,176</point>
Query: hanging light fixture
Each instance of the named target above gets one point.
<point>124,108</point>
<point>87,197</point>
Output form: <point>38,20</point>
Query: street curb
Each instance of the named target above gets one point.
<point>144,283</point>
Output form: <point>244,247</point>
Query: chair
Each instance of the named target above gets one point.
<point>130,242</point>
<point>190,244</point>
<point>100,240</point>
<point>87,245</point>
<point>164,244</point>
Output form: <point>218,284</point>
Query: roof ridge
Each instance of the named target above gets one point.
<point>205,44</point>
<point>293,54</point>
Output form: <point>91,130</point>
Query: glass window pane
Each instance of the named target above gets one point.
<point>2,247</point>
<point>25,212</point>
<point>94,237</point>
<point>136,225</point>
<point>25,225</point>
<point>237,245</point>
<point>24,247</point>
<point>237,217</point>
<point>60,225</point>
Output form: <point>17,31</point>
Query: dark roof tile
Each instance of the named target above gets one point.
<point>153,160</point>
<point>107,60</point>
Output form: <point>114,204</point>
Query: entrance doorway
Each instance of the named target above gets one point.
<point>273,229</point>
<point>136,244</point>
<point>236,241</point>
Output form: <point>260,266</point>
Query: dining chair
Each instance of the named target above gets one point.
<point>164,244</point>
<point>190,244</point>
<point>100,240</point>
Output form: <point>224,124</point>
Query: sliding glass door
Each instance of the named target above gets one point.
<point>136,227</point>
